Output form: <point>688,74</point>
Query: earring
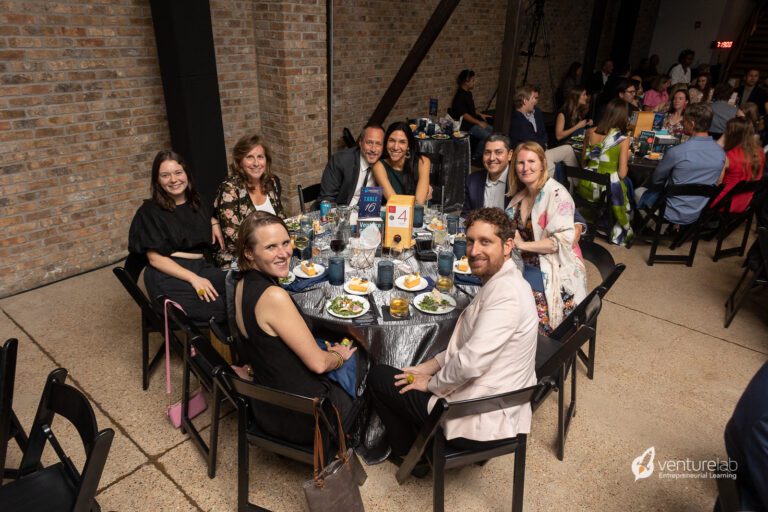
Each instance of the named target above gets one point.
<point>408,153</point>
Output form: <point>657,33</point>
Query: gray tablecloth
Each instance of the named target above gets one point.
<point>455,168</point>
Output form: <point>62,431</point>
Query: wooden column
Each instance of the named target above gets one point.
<point>510,59</point>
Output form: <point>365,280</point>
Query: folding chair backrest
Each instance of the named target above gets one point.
<point>129,277</point>
<point>742,187</point>
<point>297,403</point>
<point>61,399</point>
<point>570,345</point>
<point>602,259</point>
<point>583,174</point>
<point>483,405</point>
<point>8,354</point>
<point>307,195</point>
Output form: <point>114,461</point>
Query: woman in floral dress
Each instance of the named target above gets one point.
<point>541,210</point>
<point>250,187</point>
<point>606,151</point>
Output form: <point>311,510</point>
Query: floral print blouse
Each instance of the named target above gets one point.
<point>233,204</point>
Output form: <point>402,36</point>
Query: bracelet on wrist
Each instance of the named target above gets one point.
<point>340,360</point>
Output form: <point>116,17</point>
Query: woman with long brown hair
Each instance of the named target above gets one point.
<point>744,161</point>
<point>606,151</point>
<point>174,230</point>
<point>571,120</point>
<point>250,187</point>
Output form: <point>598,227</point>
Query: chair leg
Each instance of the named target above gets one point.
<point>656,240</point>
<point>438,472</point>
<point>144,354</point>
<point>214,440</point>
<point>518,486</point>
<point>561,414</point>
<point>735,299</point>
<point>745,238</point>
<point>591,363</point>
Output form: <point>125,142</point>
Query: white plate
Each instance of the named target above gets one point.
<point>441,310</point>
<point>291,277</point>
<point>357,298</point>
<point>400,283</point>
<point>465,272</point>
<point>300,273</point>
<point>371,287</point>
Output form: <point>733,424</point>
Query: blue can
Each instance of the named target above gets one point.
<point>325,208</point>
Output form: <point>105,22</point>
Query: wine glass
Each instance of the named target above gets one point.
<point>338,244</point>
<point>302,243</point>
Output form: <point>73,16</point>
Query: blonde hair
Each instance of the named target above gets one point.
<point>514,184</point>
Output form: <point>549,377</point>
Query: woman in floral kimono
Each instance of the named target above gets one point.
<point>250,187</point>
<point>606,151</point>
<point>542,211</point>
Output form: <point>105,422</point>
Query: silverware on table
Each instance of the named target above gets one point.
<point>374,307</point>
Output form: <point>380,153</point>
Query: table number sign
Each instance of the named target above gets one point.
<point>369,205</point>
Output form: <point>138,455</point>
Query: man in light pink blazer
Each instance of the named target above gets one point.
<point>492,350</point>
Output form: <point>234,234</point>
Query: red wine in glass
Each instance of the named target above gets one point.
<point>338,245</point>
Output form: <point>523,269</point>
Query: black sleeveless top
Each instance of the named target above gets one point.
<point>275,365</point>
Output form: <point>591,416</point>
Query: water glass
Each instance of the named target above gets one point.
<point>460,246</point>
<point>385,272</point>
<point>418,215</point>
<point>306,226</point>
<point>445,263</point>
<point>336,270</point>
<point>453,224</point>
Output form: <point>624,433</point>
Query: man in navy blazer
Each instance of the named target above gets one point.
<point>528,126</point>
<point>488,188</point>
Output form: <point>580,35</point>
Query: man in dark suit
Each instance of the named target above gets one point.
<point>487,188</point>
<point>751,92</point>
<point>600,78</point>
<point>746,441</point>
<point>349,170</point>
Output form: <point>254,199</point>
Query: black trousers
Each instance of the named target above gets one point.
<point>404,415</point>
<point>158,283</point>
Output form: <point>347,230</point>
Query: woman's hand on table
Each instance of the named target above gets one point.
<point>204,288</point>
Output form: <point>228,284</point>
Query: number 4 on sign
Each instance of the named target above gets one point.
<point>403,217</point>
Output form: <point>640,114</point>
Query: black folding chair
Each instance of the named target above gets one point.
<point>151,316</point>
<point>307,195</point>
<point>240,393</point>
<point>730,221</point>
<point>687,232</point>
<point>599,211</point>
<point>728,496</point>
<point>554,359</point>
<point>349,140</point>
<point>758,279</point>
<point>60,487</point>
<point>201,359</point>
<point>444,456</point>
<point>609,272</point>
<point>10,427</point>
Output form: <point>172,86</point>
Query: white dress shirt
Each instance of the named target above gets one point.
<point>360,179</point>
<point>493,196</point>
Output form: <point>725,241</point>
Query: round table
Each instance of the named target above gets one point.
<point>397,343</point>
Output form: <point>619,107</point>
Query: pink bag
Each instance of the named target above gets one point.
<point>197,403</point>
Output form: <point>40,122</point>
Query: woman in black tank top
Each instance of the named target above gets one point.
<point>279,346</point>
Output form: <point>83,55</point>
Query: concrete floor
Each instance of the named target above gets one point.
<point>668,375</point>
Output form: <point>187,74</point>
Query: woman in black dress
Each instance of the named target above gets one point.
<point>278,344</point>
<point>175,232</point>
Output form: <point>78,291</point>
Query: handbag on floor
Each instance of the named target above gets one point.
<point>335,486</point>
<point>196,403</point>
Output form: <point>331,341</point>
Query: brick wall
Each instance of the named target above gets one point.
<point>234,38</point>
<point>81,115</point>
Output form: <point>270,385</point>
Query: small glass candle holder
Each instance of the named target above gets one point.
<point>336,270</point>
<point>385,272</point>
